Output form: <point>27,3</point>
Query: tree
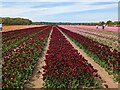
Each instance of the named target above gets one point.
<point>16,21</point>
<point>102,23</point>
<point>109,23</point>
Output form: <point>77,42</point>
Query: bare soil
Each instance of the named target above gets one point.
<point>36,80</point>
<point>6,28</point>
<point>107,79</point>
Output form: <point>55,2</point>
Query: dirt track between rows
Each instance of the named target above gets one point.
<point>36,80</point>
<point>6,28</point>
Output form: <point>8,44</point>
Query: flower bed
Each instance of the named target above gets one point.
<point>65,67</point>
<point>15,33</point>
<point>15,38</point>
<point>102,54</point>
<point>19,63</point>
<point>105,37</point>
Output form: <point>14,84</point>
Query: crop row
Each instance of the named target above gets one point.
<point>102,54</point>
<point>19,63</point>
<point>109,39</point>
<point>12,34</point>
<point>19,37</point>
<point>109,42</point>
<point>65,67</point>
<point>101,34</point>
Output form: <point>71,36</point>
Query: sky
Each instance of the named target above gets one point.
<point>61,10</point>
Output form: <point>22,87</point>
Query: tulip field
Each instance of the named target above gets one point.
<point>64,66</point>
<point>108,37</point>
<point>107,58</point>
<point>20,61</point>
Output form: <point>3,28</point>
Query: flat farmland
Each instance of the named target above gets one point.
<point>59,57</point>
<point>6,28</point>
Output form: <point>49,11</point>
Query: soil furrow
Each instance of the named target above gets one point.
<point>36,79</point>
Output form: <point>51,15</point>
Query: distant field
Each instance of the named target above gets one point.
<point>6,28</point>
<point>108,36</point>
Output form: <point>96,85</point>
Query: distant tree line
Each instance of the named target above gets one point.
<point>16,21</point>
<point>54,23</point>
<point>108,23</point>
<point>23,21</point>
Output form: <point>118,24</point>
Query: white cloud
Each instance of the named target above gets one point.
<point>22,9</point>
<point>59,0</point>
<point>25,10</point>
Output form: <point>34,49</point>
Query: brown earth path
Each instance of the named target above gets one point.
<point>36,80</point>
<point>106,78</point>
<point>6,28</point>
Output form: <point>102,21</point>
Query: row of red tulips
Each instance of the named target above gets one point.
<point>13,34</point>
<point>19,63</point>
<point>102,54</point>
<point>65,67</point>
<point>14,38</point>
